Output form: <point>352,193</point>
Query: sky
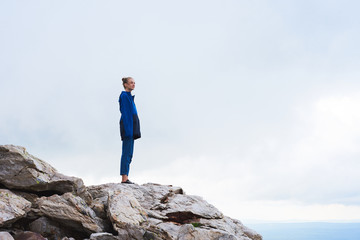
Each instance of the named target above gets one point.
<point>253,105</point>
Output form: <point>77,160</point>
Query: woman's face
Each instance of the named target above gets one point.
<point>130,85</point>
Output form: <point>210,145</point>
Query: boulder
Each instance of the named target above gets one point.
<point>21,170</point>
<point>185,208</point>
<point>71,211</point>
<point>47,228</point>
<point>149,195</point>
<point>123,208</point>
<point>131,232</point>
<point>12,207</point>
<point>172,229</point>
<point>152,195</point>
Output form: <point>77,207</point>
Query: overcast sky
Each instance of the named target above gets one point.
<point>253,105</point>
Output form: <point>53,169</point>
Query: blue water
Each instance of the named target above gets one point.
<point>307,231</point>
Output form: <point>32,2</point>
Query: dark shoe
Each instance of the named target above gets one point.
<point>128,182</point>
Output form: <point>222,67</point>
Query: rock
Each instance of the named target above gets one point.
<point>71,211</point>
<point>21,170</point>
<point>172,229</point>
<point>119,204</point>
<point>12,207</point>
<point>99,209</point>
<point>251,234</point>
<point>47,228</point>
<point>123,208</point>
<point>103,236</point>
<point>189,232</point>
<point>28,196</point>
<point>231,226</point>
<point>130,232</point>
<point>154,232</point>
<point>153,194</point>
<point>5,236</point>
<point>29,236</point>
<point>148,195</point>
<point>170,203</point>
<point>184,208</point>
<point>33,213</point>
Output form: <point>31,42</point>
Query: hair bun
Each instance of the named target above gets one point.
<point>126,79</point>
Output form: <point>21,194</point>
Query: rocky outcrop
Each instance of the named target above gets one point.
<point>20,170</point>
<point>37,202</point>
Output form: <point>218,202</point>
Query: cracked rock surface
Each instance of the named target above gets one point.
<point>12,207</point>
<point>21,170</point>
<point>38,202</point>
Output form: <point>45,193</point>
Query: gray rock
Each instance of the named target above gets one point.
<point>33,213</point>
<point>152,194</point>
<point>12,207</point>
<point>28,236</point>
<point>103,236</point>
<point>123,208</point>
<point>47,228</point>
<point>130,232</point>
<point>182,208</point>
<point>99,208</point>
<point>232,226</point>
<point>21,170</point>
<point>153,232</point>
<point>189,232</point>
<point>171,228</point>
<point>71,211</point>
<point>149,195</point>
<point>6,236</point>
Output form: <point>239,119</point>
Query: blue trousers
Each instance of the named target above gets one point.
<point>126,156</point>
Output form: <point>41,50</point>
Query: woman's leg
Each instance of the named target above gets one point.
<point>126,157</point>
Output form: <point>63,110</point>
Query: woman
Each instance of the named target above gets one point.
<point>129,127</point>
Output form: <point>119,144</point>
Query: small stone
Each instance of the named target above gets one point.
<point>102,236</point>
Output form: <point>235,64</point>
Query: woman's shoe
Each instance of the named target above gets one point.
<point>128,182</point>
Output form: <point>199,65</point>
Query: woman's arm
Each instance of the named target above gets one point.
<point>126,115</point>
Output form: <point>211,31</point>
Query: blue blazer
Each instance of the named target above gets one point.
<point>129,121</point>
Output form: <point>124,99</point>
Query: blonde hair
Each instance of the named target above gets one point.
<point>125,80</point>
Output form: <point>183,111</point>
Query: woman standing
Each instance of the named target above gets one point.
<point>129,127</point>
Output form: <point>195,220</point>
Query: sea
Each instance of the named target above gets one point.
<point>307,231</point>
